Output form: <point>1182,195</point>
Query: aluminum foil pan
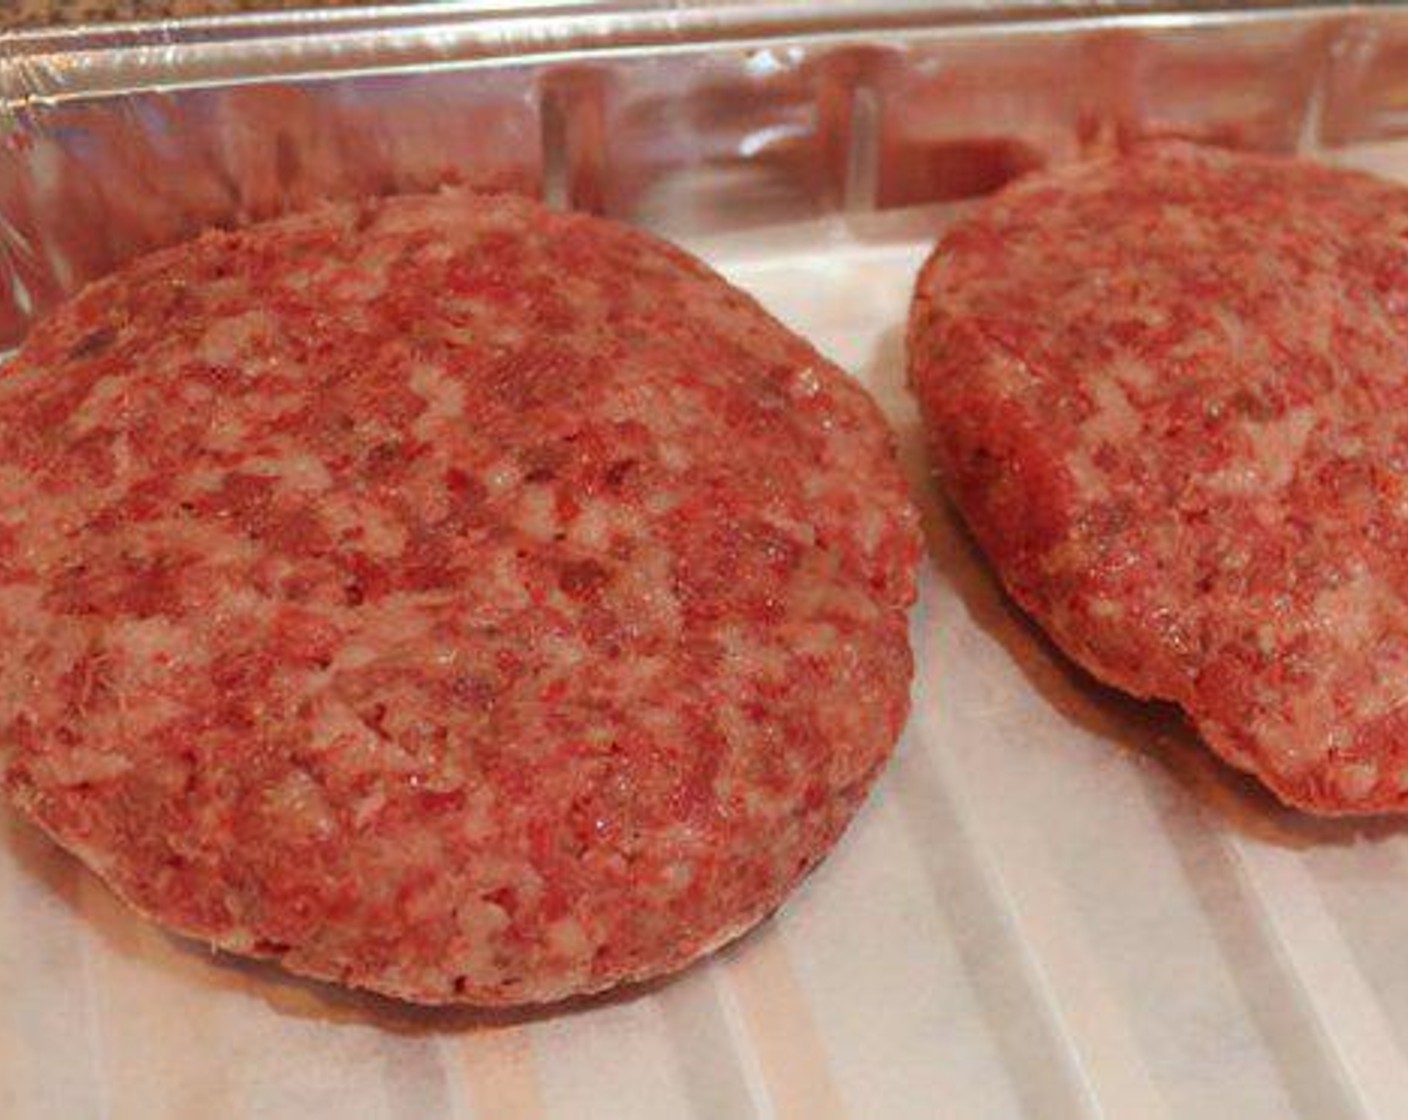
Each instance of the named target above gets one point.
<point>116,139</point>
<point>1056,905</point>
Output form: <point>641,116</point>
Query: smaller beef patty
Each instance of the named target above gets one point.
<point>445,596</point>
<point>1169,393</point>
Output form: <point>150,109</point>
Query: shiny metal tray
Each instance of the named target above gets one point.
<point>1056,904</point>
<point>679,117</point>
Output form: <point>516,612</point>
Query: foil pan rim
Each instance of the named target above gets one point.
<point>48,66</point>
<point>712,20</point>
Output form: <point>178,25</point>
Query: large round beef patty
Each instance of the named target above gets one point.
<point>1169,393</point>
<point>445,596</point>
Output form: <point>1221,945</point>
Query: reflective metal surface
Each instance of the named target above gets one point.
<point>1056,904</point>
<point>681,117</point>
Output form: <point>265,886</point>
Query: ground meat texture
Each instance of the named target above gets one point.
<point>1169,393</point>
<point>445,596</point>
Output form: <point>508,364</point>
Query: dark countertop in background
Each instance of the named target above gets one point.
<point>43,13</point>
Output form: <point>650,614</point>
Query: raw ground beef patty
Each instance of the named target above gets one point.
<point>445,596</point>
<point>1169,393</point>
